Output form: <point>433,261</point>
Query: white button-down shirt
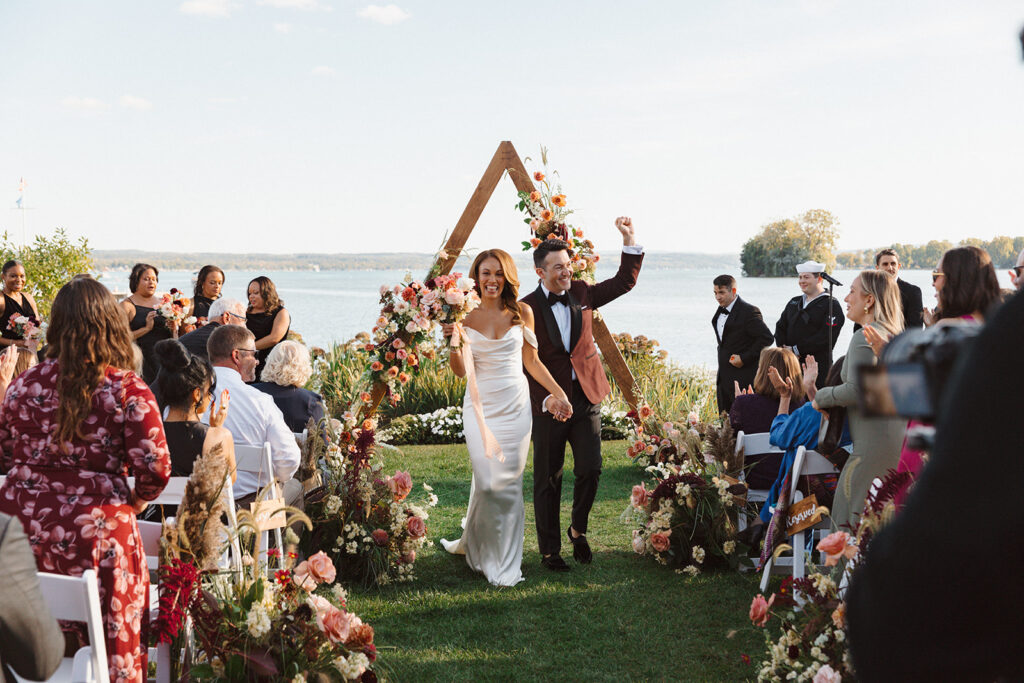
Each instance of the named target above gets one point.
<point>254,419</point>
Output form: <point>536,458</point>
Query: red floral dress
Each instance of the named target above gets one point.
<point>74,506</point>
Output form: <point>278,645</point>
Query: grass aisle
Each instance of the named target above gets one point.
<point>620,618</point>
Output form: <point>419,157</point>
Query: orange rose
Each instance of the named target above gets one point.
<point>837,545</point>
<point>538,176</point>
<point>534,242</point>
<point>535,196</point>
<point>558,200</point>
<point>403,378</point>
<point>545,215</point>
<point>367,424</point>
<point>551,236</point>
<point>645,412</point>
<point>576,232</point>
<point>365,396</point>
<point>389,356</point>
<point>376,366</point>
<point>392,372</point>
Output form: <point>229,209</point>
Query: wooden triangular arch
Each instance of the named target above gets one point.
<point>507,159</point>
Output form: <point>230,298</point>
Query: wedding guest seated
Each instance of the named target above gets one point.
<point>254,419</point>
<point>31,642</point>
<point>188,385</point>
<point>209,283</point>
<point>73,429</point>
<point>26,360</point>
<point>266,318</point>
<point>755,407</point>
<point>223,311</point>
<point>938,596</point>
<point>286,373</point>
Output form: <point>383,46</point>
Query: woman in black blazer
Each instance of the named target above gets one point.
<point>287,370</point>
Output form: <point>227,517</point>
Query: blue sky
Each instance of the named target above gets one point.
<point>339,125</point>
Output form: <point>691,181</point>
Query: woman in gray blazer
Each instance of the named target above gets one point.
<point>873,300</point>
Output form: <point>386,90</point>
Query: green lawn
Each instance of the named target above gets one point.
<point>621,618</point>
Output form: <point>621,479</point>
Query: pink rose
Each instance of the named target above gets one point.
<point>319,604</point>
<point>837,545</point>
<point>454,297</point>
<point>334,623</point>
<point>409,556</point>
<point>827,674</point>
<point>380,537</point>
<point>321,568</point>
<point>639,545</point>
<point>639,497</point>
<point>416,526</point>
<point>400,484</point>
<point>660,541</point>
<point>759,609</point>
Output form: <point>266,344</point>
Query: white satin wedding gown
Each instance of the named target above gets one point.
<point>493,529</point>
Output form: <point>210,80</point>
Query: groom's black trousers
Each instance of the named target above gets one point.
<point>583,432</point>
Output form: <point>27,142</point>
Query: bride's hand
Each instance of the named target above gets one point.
<point>448,329</point>
<point>560,408</point>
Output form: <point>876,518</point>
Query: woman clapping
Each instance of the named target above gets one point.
<point>147,327</point>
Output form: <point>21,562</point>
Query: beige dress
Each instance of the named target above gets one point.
<point>876,441</point>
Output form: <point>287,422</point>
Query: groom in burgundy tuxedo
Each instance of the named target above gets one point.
<point>563,309</point>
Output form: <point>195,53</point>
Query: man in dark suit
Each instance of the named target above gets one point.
<point>741,335</point>
<point>31,642</point>
<point>222,312</point>
<point>913,316</point>
<point>804,324</point>
<point>563,309</point>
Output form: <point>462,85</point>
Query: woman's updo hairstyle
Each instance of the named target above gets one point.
<point>182,373</point>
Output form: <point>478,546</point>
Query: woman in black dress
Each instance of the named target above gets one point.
<point>16,302</point>
<point>187,384</point>
<point>146,325</point>
<point>266,318</point>
<point>208,287</point>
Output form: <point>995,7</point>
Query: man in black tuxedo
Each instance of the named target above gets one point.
<point>913,316</point>
<point>741,335</point>
<point>804,324</point>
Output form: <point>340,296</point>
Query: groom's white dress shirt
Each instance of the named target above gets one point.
<point>253,418</point>
<point>563,316</point>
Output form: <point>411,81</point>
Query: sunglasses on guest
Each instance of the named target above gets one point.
<point>936,274</point>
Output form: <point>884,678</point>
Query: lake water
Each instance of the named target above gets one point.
<point>673,306</point>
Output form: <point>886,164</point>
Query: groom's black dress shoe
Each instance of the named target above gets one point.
<point>580,548</point>
<point>555,563</point>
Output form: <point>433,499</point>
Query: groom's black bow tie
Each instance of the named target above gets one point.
<point>722,310</point>
<point>558,299</point>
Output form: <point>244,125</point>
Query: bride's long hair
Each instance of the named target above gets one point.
<point>510,292</point>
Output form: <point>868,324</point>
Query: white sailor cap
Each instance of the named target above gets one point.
<point>810,267</point>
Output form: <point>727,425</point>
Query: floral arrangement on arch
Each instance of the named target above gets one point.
<point>252,624</point>
<point>174,306</point>
<point>687,518</point>
<point>547,214</point>
<point>367,522</point>
<point>812,644</point>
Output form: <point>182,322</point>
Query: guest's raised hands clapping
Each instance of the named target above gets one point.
<point>742,392</point>
<point>810,378</point>
<point>876,340</point>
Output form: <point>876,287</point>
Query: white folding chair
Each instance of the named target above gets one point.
<point>77,598</point>
<point>806,462</point>
<point>300,437</point>
<point>257,460</point>
<point>753,444</point>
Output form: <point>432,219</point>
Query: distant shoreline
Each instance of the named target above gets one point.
<point>116,260</point>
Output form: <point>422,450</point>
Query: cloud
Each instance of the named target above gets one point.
<point>208,8</point>
<point>84,104</point>
<point>283,28</point>
<point>322,71</point>
<point>384,14</point>
<point>308,5</point>
<point>136,103</point>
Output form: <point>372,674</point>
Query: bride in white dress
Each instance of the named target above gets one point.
<point>493,529</point>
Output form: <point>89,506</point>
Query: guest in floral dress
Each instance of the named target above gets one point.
<point>72,429</point>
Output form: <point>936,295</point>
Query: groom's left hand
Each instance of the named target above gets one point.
<point>625,226</point>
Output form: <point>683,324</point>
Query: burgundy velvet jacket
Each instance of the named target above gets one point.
<point>582,356</point>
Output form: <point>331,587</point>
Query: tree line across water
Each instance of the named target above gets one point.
<point>812,236</point>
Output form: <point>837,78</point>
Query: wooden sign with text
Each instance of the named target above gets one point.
<point>802,514</point>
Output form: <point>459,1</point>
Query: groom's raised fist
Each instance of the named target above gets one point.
<point>625,226</point>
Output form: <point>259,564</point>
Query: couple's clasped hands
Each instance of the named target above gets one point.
<point>560,408</point>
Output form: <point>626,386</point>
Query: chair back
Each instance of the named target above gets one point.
<point>77,598</point>
<point>755,444</point>
<point>257,460</point>
<point>808,462</point>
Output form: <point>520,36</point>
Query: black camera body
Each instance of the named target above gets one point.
<point>911,376</point>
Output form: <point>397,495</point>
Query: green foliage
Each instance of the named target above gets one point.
<point>49,263</point>
<point>781,245</point>
<point>604,621</point>
<point>338,375</point>
<point>1002,249</point>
